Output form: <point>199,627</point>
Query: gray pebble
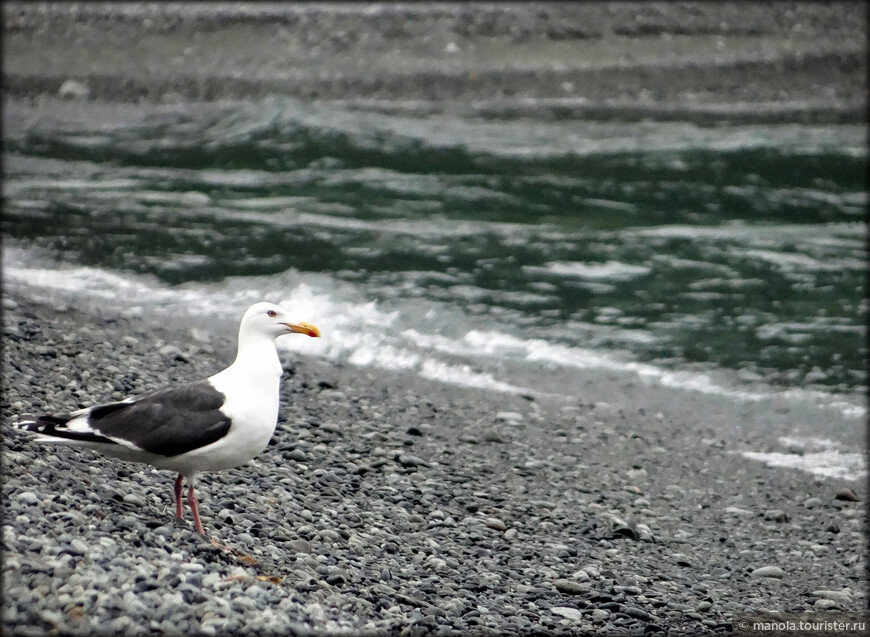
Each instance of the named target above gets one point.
<point>570,587</point>
<point>27,497</point>
<point>768,571</point>
<point>637,613</point>
<point>407,460</point>
<point>298,455</point>
<point>246,538</point>
<point>775,515</point>
<point>844,597</point>
<point>134,498</point>
<point>733,510</point>
<point>644,534</point>
<point>847,494</point>
<point>681,558</point>
<point>567,612</point>
<point>300,546</point>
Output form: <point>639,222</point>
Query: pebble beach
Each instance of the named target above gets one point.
<point>388,504</point>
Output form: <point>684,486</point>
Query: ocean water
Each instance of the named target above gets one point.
<point>498,251</point>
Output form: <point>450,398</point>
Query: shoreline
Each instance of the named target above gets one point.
<point>386,502</point>
<point>803,61</point>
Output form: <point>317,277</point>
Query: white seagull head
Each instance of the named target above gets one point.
<point>268,319</point>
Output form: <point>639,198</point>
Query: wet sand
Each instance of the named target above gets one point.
<point>782,59</point>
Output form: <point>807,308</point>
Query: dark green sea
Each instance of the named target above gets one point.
<point>493,250</point>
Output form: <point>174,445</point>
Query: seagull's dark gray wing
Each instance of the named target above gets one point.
<point>167,422</point>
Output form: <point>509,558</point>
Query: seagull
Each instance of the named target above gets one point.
<point>211,425</point>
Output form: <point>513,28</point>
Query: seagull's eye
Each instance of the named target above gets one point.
<point>271,313</point>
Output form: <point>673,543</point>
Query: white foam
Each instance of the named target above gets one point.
<point>39,184</point>
<point>384,356</point>
<point>607,270</point>
<point>436,342</point>
<point>464,376</point>
<point>232,295</point>
<point>358,331</point>
<point>850,410</point>
<point>101,284</point>
<point>491,343</point>
<point>791,261</point>
<point>808,442</point>
<point>833,233</point>
<point>822,457</point>
<point>361,332</point>
<point>270,203</point>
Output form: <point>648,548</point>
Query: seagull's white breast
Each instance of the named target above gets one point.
<point>252,401</point>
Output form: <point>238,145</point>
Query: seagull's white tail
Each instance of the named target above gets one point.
<point>39,424</point>
<point>50,428</point>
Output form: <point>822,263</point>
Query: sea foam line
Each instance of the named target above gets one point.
<point>819,456</point>
<point>357,332</point>
<point>362,333</point>
<point>494,343</point>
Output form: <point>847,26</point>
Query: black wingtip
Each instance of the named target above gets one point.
<point>38,423</point>
<point>25,422</point>
<point>53,426</point>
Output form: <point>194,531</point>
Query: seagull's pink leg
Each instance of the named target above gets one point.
<point>191,500</point>
<point>178,496</point>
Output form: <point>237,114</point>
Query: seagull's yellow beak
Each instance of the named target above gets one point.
<point>303,328</point>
